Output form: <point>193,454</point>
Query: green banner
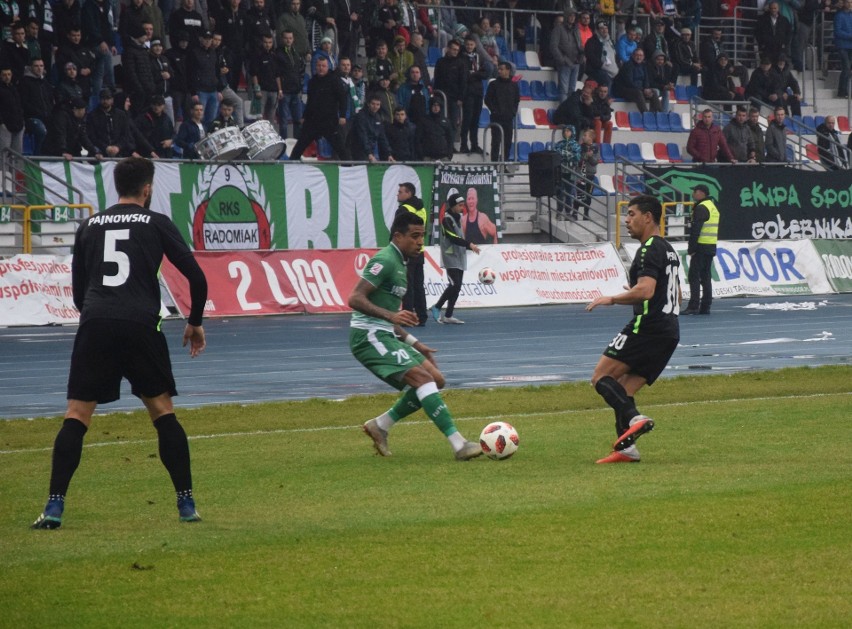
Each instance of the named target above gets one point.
<point>836,255</point>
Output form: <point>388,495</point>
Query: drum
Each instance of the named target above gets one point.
<point>263,141</point>
<point>226,143</point>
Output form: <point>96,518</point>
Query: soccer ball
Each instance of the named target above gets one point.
<point>487,276</point>
<point>499,440</point>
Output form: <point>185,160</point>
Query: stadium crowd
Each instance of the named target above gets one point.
<point>116,78</point>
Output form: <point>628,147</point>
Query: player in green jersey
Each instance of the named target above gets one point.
<point>378,341</point>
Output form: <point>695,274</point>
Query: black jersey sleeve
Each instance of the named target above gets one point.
<point>179,254</point>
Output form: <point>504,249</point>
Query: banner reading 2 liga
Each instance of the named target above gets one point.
<point>223,206</point>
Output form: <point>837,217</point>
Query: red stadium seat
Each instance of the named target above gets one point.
<point>843,124</point>
<point>622,120</point>
<point>812,152</point>
<point>540,117</point>
<point>661,152</point>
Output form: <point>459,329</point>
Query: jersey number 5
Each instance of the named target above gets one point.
<point>111,254</point>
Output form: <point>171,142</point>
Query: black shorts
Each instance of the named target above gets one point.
<point>646,356</point>
<point>107,350</point>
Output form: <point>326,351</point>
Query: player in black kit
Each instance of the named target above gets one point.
<point>640,352</point>
<point>117,256</point>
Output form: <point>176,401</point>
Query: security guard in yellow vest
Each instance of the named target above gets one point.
<point>702,249</point>
<point>415,297</point>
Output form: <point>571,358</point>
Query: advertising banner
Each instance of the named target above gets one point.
<point>481,221</point>
<point>36,290</point>
<point>225,206</point>
<point>836,256</point>
<point>769,202</point>
<point>758,268</point>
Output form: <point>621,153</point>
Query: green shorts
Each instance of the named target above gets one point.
<point>387,357</point>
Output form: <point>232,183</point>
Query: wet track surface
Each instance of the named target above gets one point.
<point>303,356</point>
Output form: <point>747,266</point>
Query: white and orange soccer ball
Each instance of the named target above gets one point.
<point>499,440</point>
<point>487,276</point>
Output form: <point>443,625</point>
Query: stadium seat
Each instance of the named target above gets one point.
<point>661,154</point>
<point>674,152</point>
<point>687,123</point>
<point>289,144</point>
<point>433,55</point>
<point>622,120</point>
<point>649,121</point>
<point>310,150</point>
<point>808,121</point>
<point>818,120</point>
<point>524,88</point>
<point>550,113</point>
<point>597,190</point>
<point>619,149</point>
<point>537,90</point>
<point>812,151</point>
<point>533,62</point>
<point>691,92</point>
<point>520,60</point>
<point>843,124</point>
<point>675,122</point>
<point>524,149</point>
<point>324,149</point>
<point>607,154</point>
<point>540,117</point>
<point>535,147</point>
<point>636,123</point>
<point>526,119</point>
<point>634,153</point>
<point>607,183</point>
<point>791,156</point>
<point>647,152</point>
<point>548,146</point>
<point>29,144</point>
<point>793,123</point>
<point>484,118</point>
<point>663,122</point>
<point>552,90</point>
<point>511,156</point>
<point>680,94</point>
<point>634,184</point>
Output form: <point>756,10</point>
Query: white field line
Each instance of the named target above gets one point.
<point>487,418</point>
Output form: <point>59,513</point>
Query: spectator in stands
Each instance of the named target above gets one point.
<point>717,84</point>
<point>368,141</point>
<point>224,119</point>
<point>66,15</point>
<point>157,128</point>
<point>109,128</point>
<point>224,69</point>
<point>325,113</point>
<point>324,51</point>
<point>656,40</point>
<point>378,66</point>
<point>413,96</point>
<point>190,132</point>
<point>577,110</point>
<point>81,57</point>
<point>294,22</point>
<point>231,24</point>
<point>359,82</point>
<point>706,141</point>
<point>584,27</point>
<point>291,70</point>
<point>157,20</point>
<point>602,111</point>
<point>451,78</point>
<point>633,83</point>
<point>400,136</point>
<point>600,57</point>
<point>320,21</point>
<point>569,154</point>
<point>429,15</point>
<point>133,15</point>
<point>97,20</point>
<point>37,98</point>
<point>685,58</point>
<point>178,88</point>
<point>418,53</point>
<point>162,72</point>
<point>354,103</point>
<point>503,98</point>
<point>265,79</point>
<point>775,141</point>
<point>757,135</point>
<point>663,78</point>
<point>765,86</point>
<point>203,76</point>
<point>478,71</point>
<point>32,41</point>
<point>11,112</point>
<point>588,168</point>
<point>387,99</point>
<point>15,52</point>
<point>773,32</point>
<point>434,134</point>
<point>709,52</point>
<point>805,18</point>
<point>628,43</point>
<point>567,53</point>
<point>792,93</point>
<point>832,152</point>
<point>488,38</point>
<point>401,60</point>
<point>188,20</point>
<point>347,21</point>
<point>739,138</point>
<point>138,73</point>
<point>69,87</point>
<point>66,132</point>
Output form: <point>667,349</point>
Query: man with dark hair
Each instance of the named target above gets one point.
<point>773,32</point>
<point>291,70</point>
<point>434,134</point>
<point>764,85</point>
<point>503,98</point>
<point>161,71</point>
<point>706,141</point>
<point>477,72</point>
<point>393,355</point>
<point>703,234</point>
<point>114,274</point>
<point>138,73</point>
<point>413,95</point>
<point>188,20</point>
<point>684,56</point>
<point>325,113</point>
<point>265,80</point>
<point>400,134</point>
<point>38,101</point>
<point>156,127</point>
<point>738,136</point>
<point>71,50</point>
<point>415,296</point>
<point>832,152</point>
<point>203,76</point>
<point>231,23</point>
<point>109,128</point>
<point>633,83</point>
<point>775,141</point>
<point>97,20</point>
<point>66,131</point>
<point>15,52</point>
<point>451,78</point>
<point>178,56</point>
<point>224,119</point>
<point>641,351</point>
<point>757,134</point>
<point>11,113</point>
<point>368,134</point>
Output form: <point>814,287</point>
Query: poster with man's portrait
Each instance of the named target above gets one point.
<point>481,221</point>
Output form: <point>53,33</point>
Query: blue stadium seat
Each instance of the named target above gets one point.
<point>793,123</point>
<point>548,146</point>
<point>680,93</point>
<point>537,90</point>
<point>484,118</point>
<point>619,149</point>
<point>791,157</point>
<point>675,121</point>
<point>607,154</point>
<point>552,90</point>
<point>649,121</point>
<point>324,149</point>
<point>818,120</point>
<point>29,144</point>
<point>550,113</point>
<point>691,92</point>
<point>636,123</point>
<point>663,123</point>
<point>536,146</point>
<point>520,60</point>
<point>511,156</point>
<point>433,56</point>
<point>808,121</point>
<point>524,149</point>
<point>597,191</point>
<point>634,153</point>
<point>524,88</point>
<point>635,184</point>
<point>674,152</point>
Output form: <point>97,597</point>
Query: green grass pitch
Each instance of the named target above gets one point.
<point>738,515</point>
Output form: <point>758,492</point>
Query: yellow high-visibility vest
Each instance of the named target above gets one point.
<point>709,233</point>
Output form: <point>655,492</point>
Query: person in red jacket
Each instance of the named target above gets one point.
<point>706,141</point>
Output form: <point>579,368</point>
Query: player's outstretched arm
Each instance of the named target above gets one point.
<point>194,336</point>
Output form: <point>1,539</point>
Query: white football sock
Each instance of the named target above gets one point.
<point>385,422</point>
<point>457,441</point>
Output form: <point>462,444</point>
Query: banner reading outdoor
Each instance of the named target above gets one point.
<point>769,202</point>
<point>222,206</point>
<point>481,222</point>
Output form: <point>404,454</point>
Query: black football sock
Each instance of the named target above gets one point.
<point>615,395</point>
<point>67,450</point>
<point>174,451</point>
